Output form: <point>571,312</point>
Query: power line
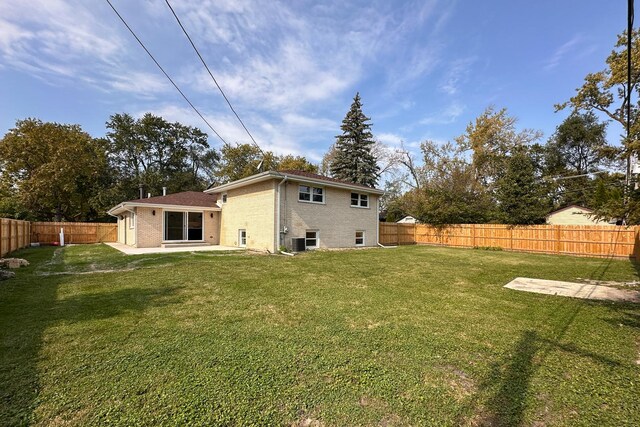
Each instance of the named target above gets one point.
<point>164,72</point>
<point>212,77</point>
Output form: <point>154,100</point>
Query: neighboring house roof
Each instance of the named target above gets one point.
<point>586,210</point>
<point>184,199</point>
<point>407,220</point>
<point>300,176</point>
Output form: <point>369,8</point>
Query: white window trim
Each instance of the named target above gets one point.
<point>187,212</point>
<point>360,200</point>
<point>311,187</point>
<point>364,238</point>
<point>317,239</point>
<point>132,221</point>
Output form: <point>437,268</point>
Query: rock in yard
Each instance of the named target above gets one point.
<point>4,275</point>
<point>13,262</point>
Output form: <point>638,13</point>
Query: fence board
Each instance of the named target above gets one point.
<point>580,240</point>
<point>74,232</point>
<point>13,235</point>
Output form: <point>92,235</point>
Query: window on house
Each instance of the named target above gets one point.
<point>310,194</point>
<point>311,239</point>
<point>359,238</point>
<point>132,220</point>
<point>359,200</point>
<point>224,198</point>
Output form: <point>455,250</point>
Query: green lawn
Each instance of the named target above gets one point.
<point>406,336</point>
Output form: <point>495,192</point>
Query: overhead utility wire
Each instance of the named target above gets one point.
<point>212,77</point>
<point>165,73</point>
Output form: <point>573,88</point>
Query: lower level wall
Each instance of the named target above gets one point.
<point>150,233</point>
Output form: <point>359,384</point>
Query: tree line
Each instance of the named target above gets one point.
<point>52,171</point>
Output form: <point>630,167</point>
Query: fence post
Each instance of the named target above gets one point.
<point>557,237</point>
<point>473,235</point>
<point>415,231</point>
<point>511,238</point>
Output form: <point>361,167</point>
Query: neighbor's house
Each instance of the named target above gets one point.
<point>264,211</point>
<point>574,215</point>
<point>407,220</point>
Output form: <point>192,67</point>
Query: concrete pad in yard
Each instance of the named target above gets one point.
<point>575,290</point>
<point>129,250</point>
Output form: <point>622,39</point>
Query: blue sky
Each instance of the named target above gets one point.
<point>424,69</point>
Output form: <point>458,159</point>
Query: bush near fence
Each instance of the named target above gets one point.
<point>579,240</point>
<point>15,234</point>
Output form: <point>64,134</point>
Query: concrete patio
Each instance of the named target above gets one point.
<point>130,250</point>
<point>575,290</point>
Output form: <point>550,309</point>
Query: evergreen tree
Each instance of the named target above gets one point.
<point>519,192</point>
<point>354,160</point>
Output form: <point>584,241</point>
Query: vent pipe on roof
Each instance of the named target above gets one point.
<point>148,195</point>
<point>164,191</point>
<point>141,187</point>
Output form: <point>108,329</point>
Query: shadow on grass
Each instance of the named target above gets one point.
<point>508,382</point>
<point>29,306</point>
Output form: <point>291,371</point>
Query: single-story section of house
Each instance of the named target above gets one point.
<point>574,215</point>
<point>266,211</point>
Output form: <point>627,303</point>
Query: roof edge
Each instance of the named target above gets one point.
<point>263,176</point>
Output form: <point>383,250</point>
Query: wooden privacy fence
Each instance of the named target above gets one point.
<point>580,240</point>
<point>14,235</point>
<point>74,232</point>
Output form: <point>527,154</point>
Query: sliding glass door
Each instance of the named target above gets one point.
<point>183,226</point>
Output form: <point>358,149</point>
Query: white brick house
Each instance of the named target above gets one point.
<point>265,211</point>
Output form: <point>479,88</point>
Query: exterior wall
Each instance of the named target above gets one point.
<point>251,208</point>
<point>130,233</point>
<point>335,220</point>
<point>150,227</point>
<point>212,227</point>
<point>121,231</point>
<point>573,216</point>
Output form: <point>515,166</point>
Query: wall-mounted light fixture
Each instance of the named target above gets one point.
<point>153,212</point>
<point>211,214</point>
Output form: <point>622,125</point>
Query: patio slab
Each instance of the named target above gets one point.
<point>575,290</point>
<point>129,250</point>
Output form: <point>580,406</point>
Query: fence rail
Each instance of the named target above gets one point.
<point>14,235</point>
<point>579,240</point>
<point>74,232</point>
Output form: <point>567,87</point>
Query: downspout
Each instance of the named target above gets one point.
<point>277,248</point>
<point>378,220</point>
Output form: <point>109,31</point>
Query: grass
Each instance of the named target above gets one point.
<point>406,336</point>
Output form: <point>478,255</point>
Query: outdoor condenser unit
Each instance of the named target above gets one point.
<point>298,244</point>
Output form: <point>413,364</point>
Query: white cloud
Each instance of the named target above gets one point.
<point>456,75</point>
<point>562,51</point>
<point>446,116</point>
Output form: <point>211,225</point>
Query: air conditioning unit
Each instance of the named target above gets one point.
<point>298,244</point>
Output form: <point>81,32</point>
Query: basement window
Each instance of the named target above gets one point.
<point>359,238</point>
<point>311,239</point>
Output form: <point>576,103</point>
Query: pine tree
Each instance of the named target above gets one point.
<point>354,160</point>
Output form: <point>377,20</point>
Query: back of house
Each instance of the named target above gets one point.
<point>267,211</point>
